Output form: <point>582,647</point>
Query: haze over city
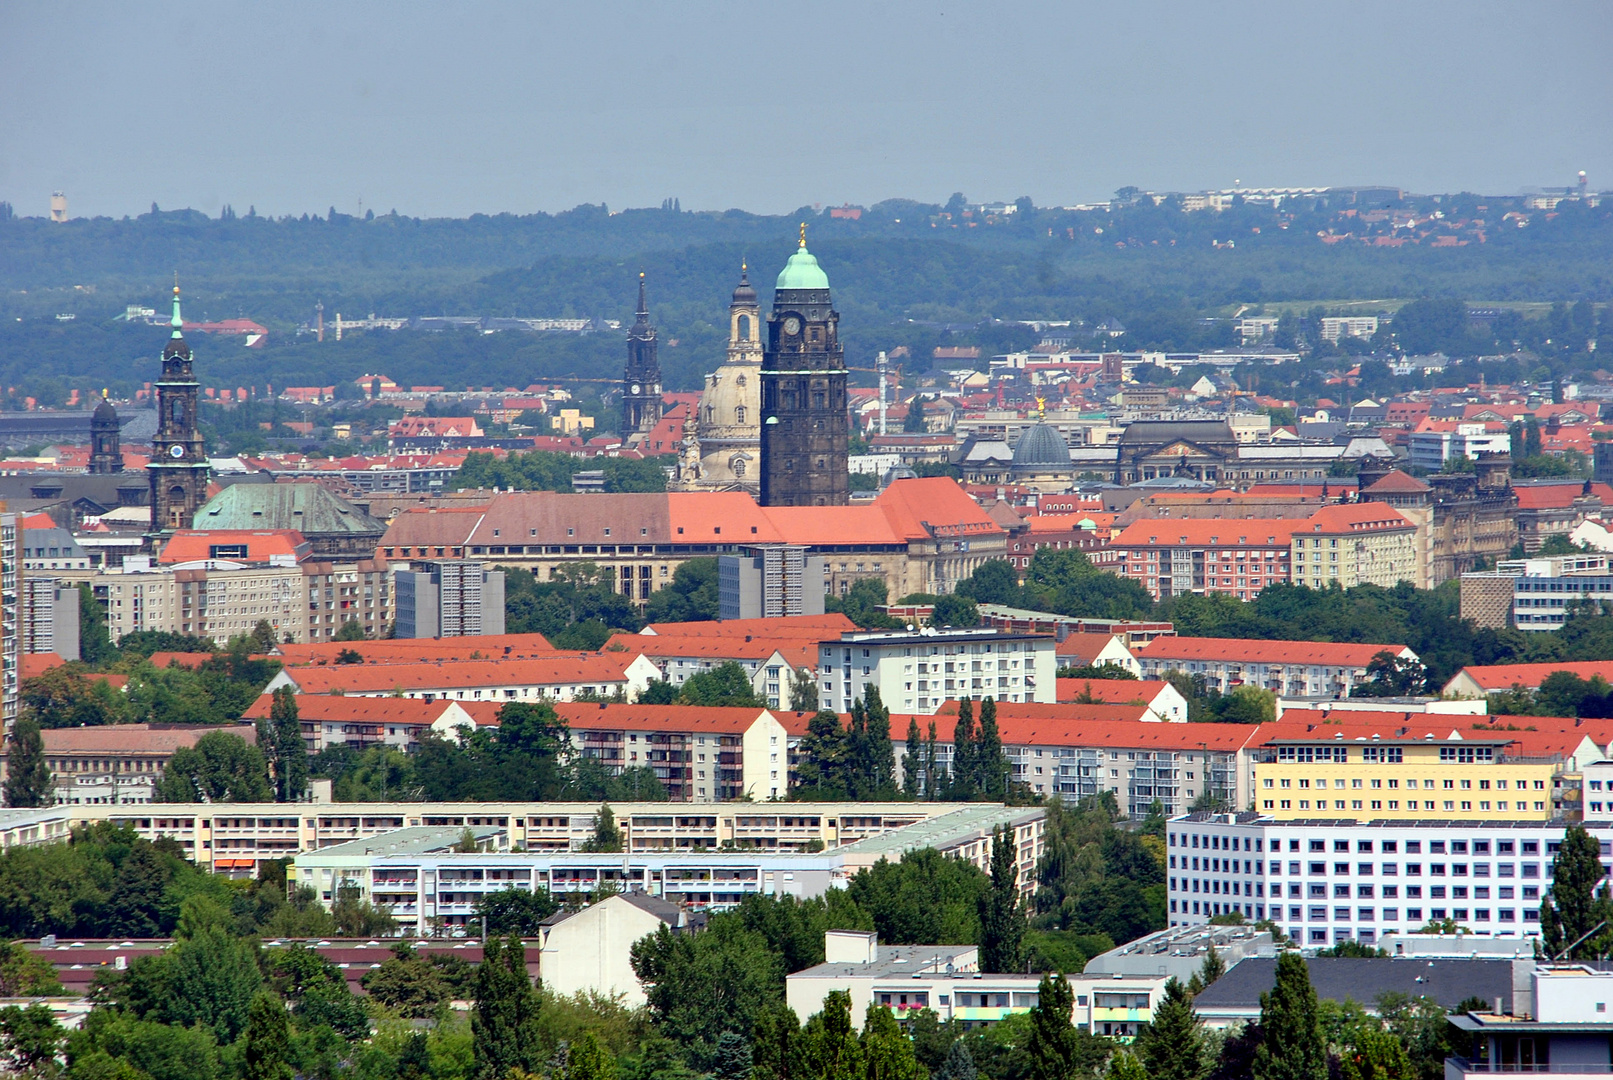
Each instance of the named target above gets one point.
<point>437,110</point>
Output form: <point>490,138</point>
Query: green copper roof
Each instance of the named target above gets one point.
<point>176,322</point>
<point>803,271</point>
<point>308,508</point>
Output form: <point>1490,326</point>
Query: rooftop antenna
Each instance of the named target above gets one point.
<point>1570,946</point>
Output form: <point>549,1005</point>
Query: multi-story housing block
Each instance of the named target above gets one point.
<point>1355,544</point>
<point>1177,557</point>
<point>1287,668</point>
<point>1325,880</point>
<point>920,672</point>
<point>1535,594</point>
<point>1421,772</point>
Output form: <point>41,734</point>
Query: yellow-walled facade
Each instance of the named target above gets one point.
<point>1444,781</point>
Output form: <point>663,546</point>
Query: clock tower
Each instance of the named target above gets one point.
<point>805,430</point>
<point>179,468</point>
<point>641,380</point>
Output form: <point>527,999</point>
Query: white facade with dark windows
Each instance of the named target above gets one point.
<point>1326,881</point>
<point>920,672</point>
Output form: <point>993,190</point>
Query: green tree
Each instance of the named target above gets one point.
<point>887,1052</point>
<point>30,1039</point>
<point>958,1065</point>
<point>726,684</point>
<point>588,1060</point>
<point>924,898</point>
<point>955,611</point>
<point>607,836</point>
<point>963,786</point>
<point>733,1057</point>
<point>1291,1045</point>
<point>1054,1047</point>
<point>408,984</point>
<point>824,759</point>
<point>1576,908</point>
<point>1213,967</point>
<point>221,767</point>
<point>700,985</point>
<point>211,980</point>
<point>268,1041</point>
<point>803,691</point>
<point>28,778</point>
<point>1002,913</point>
<point>912,761</point>
<point>1125,1066</point>
<point>995,581</point>
<point>991,765</point>
<point>870,763</point>
<point>777,1047</point>
<point>1376,1055</point>
<point>504,1019</point>
<point>317,992</point>
<point>830,1046</point>
<point>94,643</point>
<point>355,916</point>
<point>1171,1047</point>
<point>351,630</point>
<point>691,596</point>
<point>515,911</point>
<point>289,752</point>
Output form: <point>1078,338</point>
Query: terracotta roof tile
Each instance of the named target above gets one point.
<point>1253,651</point>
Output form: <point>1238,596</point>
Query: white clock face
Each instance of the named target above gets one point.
<point>635,388</point>
<point>176,451</point>
<point>792,325</point>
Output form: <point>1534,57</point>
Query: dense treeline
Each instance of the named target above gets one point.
<point>543,470</point>
<point>899,283</point>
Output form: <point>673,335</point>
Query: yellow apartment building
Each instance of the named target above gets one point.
<point>1464,779</point>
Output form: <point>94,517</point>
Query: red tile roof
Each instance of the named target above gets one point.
<point>192,545</point>
<point>1493,677</point>
<point>339,708</point>
<point>1082,647</point>
<point>1558,496</point>
<point>1208,532</point>
<point>133,738</point>
<point>589,716</point>
<point>1108,691</point>
<point>559,669</point>
<point>1397,483</point>
<point>36,664</point>
<point>816,627</point>
<point>1356,518</point>
<point>1254,651</point>
<point>415,650</point>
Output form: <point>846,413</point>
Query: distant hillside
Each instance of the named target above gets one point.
<point>898,270</point>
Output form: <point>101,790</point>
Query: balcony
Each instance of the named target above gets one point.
<point>1458,1068</point>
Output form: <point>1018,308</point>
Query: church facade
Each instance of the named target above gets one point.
<point>722,441</point>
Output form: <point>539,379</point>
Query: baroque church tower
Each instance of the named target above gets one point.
<point>805,430</point>
<point>106,452</point>
<point>641,380</point>
<point>179,469</point>
<point>722,443</point>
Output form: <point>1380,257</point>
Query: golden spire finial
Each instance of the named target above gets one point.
<point>1041,407</point>
<point>803,235</point>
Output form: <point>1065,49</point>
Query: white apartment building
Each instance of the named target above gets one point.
<point>1325,881</point>
<point>1358,326</point>
<point>920,672</point>
<point>1431,449</point>
<point>1287,668</point>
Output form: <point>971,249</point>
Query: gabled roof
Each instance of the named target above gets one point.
<point>1253,651</point>
<point>816,627</point>
<point>1083,647</point>
<point>1110,691</point>
<point>375,710</point>
<point>796,652</point>
<point>609,716</point>
<point>133,738</point>
<point>1397,483</point>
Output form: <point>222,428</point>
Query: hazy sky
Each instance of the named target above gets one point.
<point>450,109</point>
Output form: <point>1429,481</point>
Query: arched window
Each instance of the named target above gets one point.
<point>738,466</point>
<point>744,328</point>
<point>739,414</point>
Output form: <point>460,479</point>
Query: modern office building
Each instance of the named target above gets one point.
<point>769,582</point>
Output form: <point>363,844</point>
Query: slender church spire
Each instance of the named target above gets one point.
<point>176,322</point>
<point>643,308</point>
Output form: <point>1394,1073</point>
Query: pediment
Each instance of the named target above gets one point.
<point>1181,449</point>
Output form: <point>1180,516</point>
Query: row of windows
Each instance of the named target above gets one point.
<point>1365,869</point>
<point>1320,913</point>
<point>1217,842</point>
<point>1446,805</point>
<point>1394,784</point>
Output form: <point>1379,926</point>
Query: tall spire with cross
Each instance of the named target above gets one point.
<point>179,469</point>
<point>641,378</point>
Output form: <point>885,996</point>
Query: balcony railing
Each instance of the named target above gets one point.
<point>1562,1068</point>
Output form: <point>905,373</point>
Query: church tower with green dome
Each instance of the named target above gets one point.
<point>805,429</point>
<point>179,469</point>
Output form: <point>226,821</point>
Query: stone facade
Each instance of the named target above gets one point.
<point>179,469</point>
<point>805,427</point>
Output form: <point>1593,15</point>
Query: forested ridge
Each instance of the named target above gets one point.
<point>903,275</point>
